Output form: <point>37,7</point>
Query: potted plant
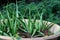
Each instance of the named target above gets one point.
<point>13,26</point>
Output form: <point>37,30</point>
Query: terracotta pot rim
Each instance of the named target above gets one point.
<point>45,37</point>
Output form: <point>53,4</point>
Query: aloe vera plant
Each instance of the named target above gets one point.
<point>9,24</point>
<point>33,27</point>
<point>15,21</point>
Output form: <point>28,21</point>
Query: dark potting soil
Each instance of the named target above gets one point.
<point>27,35</point>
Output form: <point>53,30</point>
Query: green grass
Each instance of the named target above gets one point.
<point>33,27</point>
<point>9,24</point>
<point>11,19</point>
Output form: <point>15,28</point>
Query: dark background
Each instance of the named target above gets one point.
<point>4,2</point>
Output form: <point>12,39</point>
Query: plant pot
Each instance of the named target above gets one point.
<point>54,29</point>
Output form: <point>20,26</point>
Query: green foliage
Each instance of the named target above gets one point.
<point>33,26</point>
<point>9,23</point>
<point>13,15</point>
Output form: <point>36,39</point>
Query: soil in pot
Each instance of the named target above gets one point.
<point>27,35</point>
